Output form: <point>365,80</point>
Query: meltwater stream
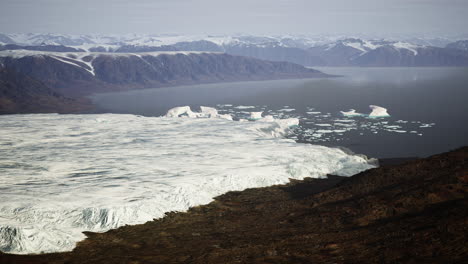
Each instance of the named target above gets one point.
<point>65,174</point>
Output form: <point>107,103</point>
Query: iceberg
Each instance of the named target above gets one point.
<point>179,111</point>
<point>205,111</point>
<point>378,111</point>
<point>209,111</point>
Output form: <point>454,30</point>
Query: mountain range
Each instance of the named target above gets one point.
<point>66,75</point>
<point>307,51</point>
<point>66,67</point>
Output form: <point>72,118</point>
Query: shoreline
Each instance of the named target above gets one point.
<point>329,220</point>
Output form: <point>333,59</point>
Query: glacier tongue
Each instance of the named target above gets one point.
<point>65,174</point>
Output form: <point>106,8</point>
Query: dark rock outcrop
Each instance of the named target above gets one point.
<point>416,212</point>
<point>276,53</point>
<point>22,94</point>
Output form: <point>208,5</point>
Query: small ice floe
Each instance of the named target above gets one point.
<point>208,111</point>
<point>286,110</point>
<point>427,125</point>
<point>313,113</point>
<point>244,107</point>
<point>351,112</point>
<point>378,111</point>
<point>344,120</point>
<point>392,127</point>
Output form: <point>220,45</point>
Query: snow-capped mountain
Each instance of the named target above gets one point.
<point>304,50</point>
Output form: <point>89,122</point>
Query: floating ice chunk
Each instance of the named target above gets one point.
<point>392,127</point>
<point>244,107</point>
<point>286,110</point>
<point>181,110</point>
<point>208,111</point>
<point>351,112</point>
<point>378,111</point>
<point>427,125</point>
<point>313,113</point>
<point>339,130</point>
<point>344,120</point>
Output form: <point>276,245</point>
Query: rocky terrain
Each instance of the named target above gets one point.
<point>415,212</point>
<point>459,45</point>
<point>22,94</point>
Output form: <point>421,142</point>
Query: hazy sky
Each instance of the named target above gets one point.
<point>235,16</point>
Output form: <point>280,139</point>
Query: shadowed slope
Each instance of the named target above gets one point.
<point>410,213</point>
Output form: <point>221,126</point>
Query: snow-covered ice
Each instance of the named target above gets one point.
<point>65,174</point>
<point>255,115</point>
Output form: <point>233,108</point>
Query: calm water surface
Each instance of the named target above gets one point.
<point>428,107</point>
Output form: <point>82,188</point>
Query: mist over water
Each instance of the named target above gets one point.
<point>427,107</point>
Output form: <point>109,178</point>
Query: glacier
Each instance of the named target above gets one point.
<point>65,174</point>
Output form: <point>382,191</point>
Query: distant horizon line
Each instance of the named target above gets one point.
<point>350,35</point>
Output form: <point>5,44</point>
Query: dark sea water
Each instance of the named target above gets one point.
<point>428,107</point>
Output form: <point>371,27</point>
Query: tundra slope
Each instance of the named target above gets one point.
<point>415,212</point>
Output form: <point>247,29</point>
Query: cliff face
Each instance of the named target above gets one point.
<point>86,73</point>
<point>410,213</point>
